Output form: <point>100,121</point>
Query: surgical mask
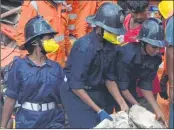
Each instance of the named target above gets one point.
<point>113,38</point>
<point>50,46</point>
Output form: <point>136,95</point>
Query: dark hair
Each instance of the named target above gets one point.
<point>137,5</point>
<point>123,5</point>
<point>29,48</point>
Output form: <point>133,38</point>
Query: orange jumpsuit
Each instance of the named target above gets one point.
<point>77,17</point>
<point>56,16</point>
<point>84,9</point>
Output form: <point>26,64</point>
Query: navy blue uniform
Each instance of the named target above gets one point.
<point>134,69</point>
<point>30,83</point>
<point>86,68</point>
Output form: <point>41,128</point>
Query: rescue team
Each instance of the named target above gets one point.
<point>101,72</point>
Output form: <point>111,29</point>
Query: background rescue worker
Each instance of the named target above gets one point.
<point>34,81</point>
<point>166,9</point>
<point>141,62</point>
<point>84,91</point>
<point>80,10</point>
<point>138,14</point>
<point>133,22</point>
<point>55,13</point>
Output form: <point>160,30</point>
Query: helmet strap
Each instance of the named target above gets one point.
<point>143,45</point>
<point>100,34</point>
<point>41,46</point>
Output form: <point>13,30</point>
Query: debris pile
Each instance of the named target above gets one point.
<point>138,117</point>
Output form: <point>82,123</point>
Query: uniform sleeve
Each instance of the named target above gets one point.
<point>146,81</point>
<point>78,63</point>
<point>169,32</point>
<point>27,12</point>
<point>56,91</point>
<point>123,75</point>
<point>13,82</point>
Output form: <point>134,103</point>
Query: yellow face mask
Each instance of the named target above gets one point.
<point>50,46</point>
<point>113,38</point>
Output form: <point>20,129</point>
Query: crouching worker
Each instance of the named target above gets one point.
<point>34,81</point>
<point>84,93</point>
<point>141,62</point>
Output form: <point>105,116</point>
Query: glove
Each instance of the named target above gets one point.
<point>104,115</point>
<point>163,84</point>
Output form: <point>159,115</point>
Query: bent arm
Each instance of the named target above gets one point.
<point>7,111</point>
<point>85,98</point>
<point>126,93</point>
<point>114,91</point>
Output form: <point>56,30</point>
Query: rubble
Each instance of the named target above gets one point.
<point>138,117</point>
<point>144,118</point>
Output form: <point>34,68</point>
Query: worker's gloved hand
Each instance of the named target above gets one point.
<point>104,115</point>
<point>163,84</point>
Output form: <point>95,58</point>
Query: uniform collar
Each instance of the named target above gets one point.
<point>47,62</point>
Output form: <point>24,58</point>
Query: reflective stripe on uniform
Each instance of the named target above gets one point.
<point>71,27</point>
<point>72,16</point>
<point>35,6</point>
<point>59,38</point>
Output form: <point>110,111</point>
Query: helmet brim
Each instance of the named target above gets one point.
<point>40,35</point>
<point>158,43</point>
<point>117,31</point>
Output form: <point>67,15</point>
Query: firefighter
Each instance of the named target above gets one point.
<point>77,23</point>
<point>34,81</point>
<point>140,62</point>
<point>166,9</point>
<point>84,93</point>
<point>55,13</point>
<point>133,22</point>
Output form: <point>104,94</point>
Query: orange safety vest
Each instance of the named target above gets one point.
<point>57,17</point>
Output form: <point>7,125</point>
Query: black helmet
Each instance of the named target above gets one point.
<point>109,17</point>
<point>35,27</point>
<point>152,32</point>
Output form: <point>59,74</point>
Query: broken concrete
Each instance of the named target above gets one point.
<point>143,118</point>
<point>138,117</point>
